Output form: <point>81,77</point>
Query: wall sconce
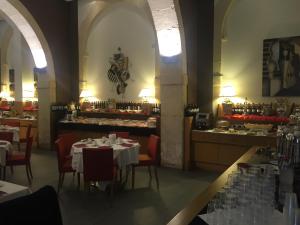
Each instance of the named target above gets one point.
<point>146,94</point>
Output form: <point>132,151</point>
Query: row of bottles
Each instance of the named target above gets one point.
<point>249,109</point>
<point>191,109</point>
<point>128,106</point>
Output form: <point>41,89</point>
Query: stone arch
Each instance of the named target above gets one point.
<point>4,47</point>
<point>221,12</point>
<point>171,71</point>
<point>17,15</point>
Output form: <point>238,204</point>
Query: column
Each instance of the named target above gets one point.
<point>173,91</point>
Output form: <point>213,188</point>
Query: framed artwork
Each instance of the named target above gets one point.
<point>118,72</point>
<point>281,67</point>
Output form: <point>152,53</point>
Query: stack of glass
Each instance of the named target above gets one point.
<point>247,198</point>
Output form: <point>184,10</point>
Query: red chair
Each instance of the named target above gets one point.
<point>6,136</point>
<point>64,159</point>
<point>149,159</point>
<point>24,140</point>
<point>21,159</point>
<point>98,165</point>
<point>121,134</point>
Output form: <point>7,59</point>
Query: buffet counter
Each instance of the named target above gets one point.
<point>217,150</point>
<point>97,127</point>
<point>188,215</point>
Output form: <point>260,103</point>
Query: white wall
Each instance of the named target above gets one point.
<point>135,35</point>
<point>20,59</point>
<point>248,24</point>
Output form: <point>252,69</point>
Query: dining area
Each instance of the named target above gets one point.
<point>106,161</point>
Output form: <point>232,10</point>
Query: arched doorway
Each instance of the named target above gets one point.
<point>170,65</point>
<point>18,16</point>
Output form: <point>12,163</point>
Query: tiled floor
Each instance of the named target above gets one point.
<point>144,205</point>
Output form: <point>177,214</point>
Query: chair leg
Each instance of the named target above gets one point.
<point>127,173</point>
<point>0,172</point>
<point>78,180</point>
<point>4,173</point>
<point>28,174</point>
<point>150,175</point>
<point>62,178</point>
<point>120,170</point>
<point>30,171</point>
<point>19,146</point>
<point>156,177</point>
<point>59,182</point>
<point>132,176</point>
<point>12,169</point>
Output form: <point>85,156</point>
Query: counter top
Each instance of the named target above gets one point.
<point>111,122</point>
<point>186,215</point>
<point>17,118</point>
<point>238,132</point>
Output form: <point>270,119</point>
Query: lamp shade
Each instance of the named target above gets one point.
<point>145,93</point>
<point>227,91</point>
<point>85,93</point>
<point>4,94</point>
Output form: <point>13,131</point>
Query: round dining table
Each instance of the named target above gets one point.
<point>125,151</point>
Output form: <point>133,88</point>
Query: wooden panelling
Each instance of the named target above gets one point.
<point>217,151</point>
<point>206,152</point>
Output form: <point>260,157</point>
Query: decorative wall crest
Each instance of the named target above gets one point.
<point>118,72</point>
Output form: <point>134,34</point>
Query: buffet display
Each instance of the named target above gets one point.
<point>150,122</point>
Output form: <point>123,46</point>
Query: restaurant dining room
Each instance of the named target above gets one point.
<point>143,112</point>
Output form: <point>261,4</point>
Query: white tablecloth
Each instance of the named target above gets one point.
<point>5,147</point>
<point>276,219</point>
<point>9,191</point>
<point>125,153</point>
<point>15,130</point>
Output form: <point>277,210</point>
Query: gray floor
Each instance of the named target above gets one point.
<point>144,205</point>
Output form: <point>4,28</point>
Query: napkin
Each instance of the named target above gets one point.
<point>80,145</point>
<point>126,145</point>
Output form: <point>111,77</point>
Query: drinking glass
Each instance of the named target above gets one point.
<point>290,204</point>
<point>297,216</point>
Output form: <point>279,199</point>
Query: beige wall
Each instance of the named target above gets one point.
<point>124,28</point>
<point>247,25</point>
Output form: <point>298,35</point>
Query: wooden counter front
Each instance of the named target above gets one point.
<point>217,151</point>
<point>185,216</point>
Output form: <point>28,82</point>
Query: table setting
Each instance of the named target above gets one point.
<point>125,151</point>
<point>15,130</point>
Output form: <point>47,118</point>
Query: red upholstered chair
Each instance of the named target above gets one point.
<point>28,134</point>
<point>64,159</point>
<point>149,159</point>
<point>6,136</point>
<point>121,134</point>
<point>21,159</point>
<point>98,165</point>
